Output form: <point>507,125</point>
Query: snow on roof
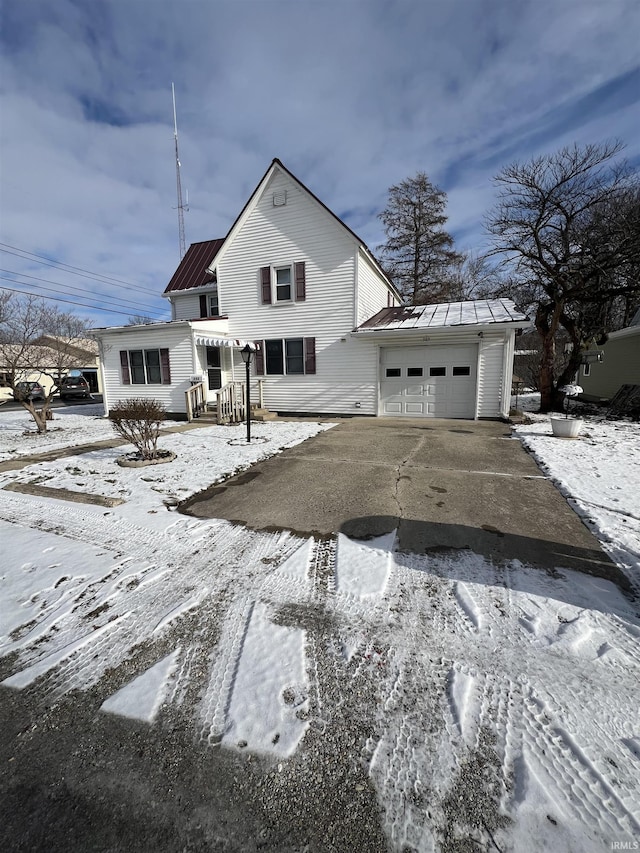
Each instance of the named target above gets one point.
<point>472,313</point>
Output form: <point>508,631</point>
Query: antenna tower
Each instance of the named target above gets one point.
<point>181,205</point>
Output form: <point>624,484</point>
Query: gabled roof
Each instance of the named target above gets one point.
<point>186,276</point>
<point>193,268</point>
<point>474,313</point>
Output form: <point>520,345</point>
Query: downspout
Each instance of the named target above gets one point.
<point>479,373</point>
<point>103,381</point>
<point>356,288</point>
<point>507,372</point>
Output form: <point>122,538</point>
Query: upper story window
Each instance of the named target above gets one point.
<point>283,283</point>
<point>209,304</point>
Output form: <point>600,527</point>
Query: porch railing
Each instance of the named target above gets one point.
<point>196,399</point>
<point>230,403</point>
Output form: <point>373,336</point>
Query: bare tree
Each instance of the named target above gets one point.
<point>37,338</point>
<point>479,277</point>
<point>419,254</point>
<point>568,227</point>
<point>139,320</point>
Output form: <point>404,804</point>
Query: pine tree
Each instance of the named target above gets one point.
<point>419,255</point>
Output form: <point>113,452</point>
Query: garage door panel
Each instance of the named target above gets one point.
<point>437,382</point>
<point>415,390</point>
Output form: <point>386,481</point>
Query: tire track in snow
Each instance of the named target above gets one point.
<point>577,786</point>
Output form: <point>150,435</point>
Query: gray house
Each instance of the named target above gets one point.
<point>620,363</point>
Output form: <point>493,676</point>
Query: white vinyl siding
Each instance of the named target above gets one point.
<point>177,340</point>
<point>490,378</point>
<point>300,230</point>
<point>186,306</point>
<point>372,291</point>
<point>492,362</point>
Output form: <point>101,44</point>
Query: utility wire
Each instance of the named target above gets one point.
<point>103,297</point>
<point>68,301</point>
<point>41,259</point>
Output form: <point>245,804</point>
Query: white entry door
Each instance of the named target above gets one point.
<point>429,381</point>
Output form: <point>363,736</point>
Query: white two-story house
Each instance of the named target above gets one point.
<point>328,330</point>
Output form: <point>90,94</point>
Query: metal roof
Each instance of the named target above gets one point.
<point>192,269</point>
<point>474,313</point>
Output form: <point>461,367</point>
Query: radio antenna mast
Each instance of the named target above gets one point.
<point>181,206</point>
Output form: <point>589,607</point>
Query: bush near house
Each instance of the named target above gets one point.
<point>138,421</point>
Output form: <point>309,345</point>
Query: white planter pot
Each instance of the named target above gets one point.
<point>566,427</point>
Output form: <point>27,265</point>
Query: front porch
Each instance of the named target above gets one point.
<point>229,405</point>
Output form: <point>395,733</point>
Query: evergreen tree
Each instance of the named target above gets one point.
<point>419,255</point>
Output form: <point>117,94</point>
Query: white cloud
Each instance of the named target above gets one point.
<point>351,96</point>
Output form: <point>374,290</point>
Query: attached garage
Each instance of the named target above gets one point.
<point>429,381</point>
<point>450,360</point>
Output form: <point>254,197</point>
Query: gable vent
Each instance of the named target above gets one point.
<point>280,198</point>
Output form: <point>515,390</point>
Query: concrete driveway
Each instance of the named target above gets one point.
<point>443,484</point>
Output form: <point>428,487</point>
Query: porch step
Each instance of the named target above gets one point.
<point>210,416</point>
<point>258,414</point>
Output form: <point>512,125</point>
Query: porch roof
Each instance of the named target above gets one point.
<point>233,343</point>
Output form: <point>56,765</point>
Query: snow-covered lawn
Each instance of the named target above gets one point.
<point>489,707</point>
<point>71,426</point>
<point>203,457</point>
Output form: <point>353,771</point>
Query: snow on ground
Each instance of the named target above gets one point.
<point>489,706</point>
<point>70,426</point>
<point>599,473</point>
<point>203,457</point>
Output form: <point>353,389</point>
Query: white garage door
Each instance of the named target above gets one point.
<point>429,381</point>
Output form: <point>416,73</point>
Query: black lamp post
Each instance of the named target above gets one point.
<point>246,352</point>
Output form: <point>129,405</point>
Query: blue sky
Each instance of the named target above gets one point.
<point>353,96</point>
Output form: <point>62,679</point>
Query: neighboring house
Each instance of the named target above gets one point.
<point>620,363</point>
<point>291,279</point>
<point>84,355</point>
<point>41,364</point>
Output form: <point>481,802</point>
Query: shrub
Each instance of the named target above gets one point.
<point>138,421</point>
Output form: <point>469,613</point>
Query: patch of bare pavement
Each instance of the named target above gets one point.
<point>436,698</point>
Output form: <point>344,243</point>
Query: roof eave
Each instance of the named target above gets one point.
<point>423,331</point>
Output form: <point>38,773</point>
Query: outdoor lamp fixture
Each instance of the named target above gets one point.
<point>246,352</point>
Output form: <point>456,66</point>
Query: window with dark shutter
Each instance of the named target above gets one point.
<point>274,356</point>
<point>265,281</point>
<point>294,355</point>
<point>309,355</point>
<point>259,359</point>
<point>300,277</point>
<point>164,366</point>
<point>124,367</point>
<point>204,311</point>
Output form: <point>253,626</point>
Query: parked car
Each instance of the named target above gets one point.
<point>74,386</point>
<point>28,391</point>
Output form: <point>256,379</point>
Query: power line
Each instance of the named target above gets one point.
<point>67,301</point>
<point>43,260</point>
<point>68,287</point>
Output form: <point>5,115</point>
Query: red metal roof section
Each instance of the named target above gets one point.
<point>192,270</point>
